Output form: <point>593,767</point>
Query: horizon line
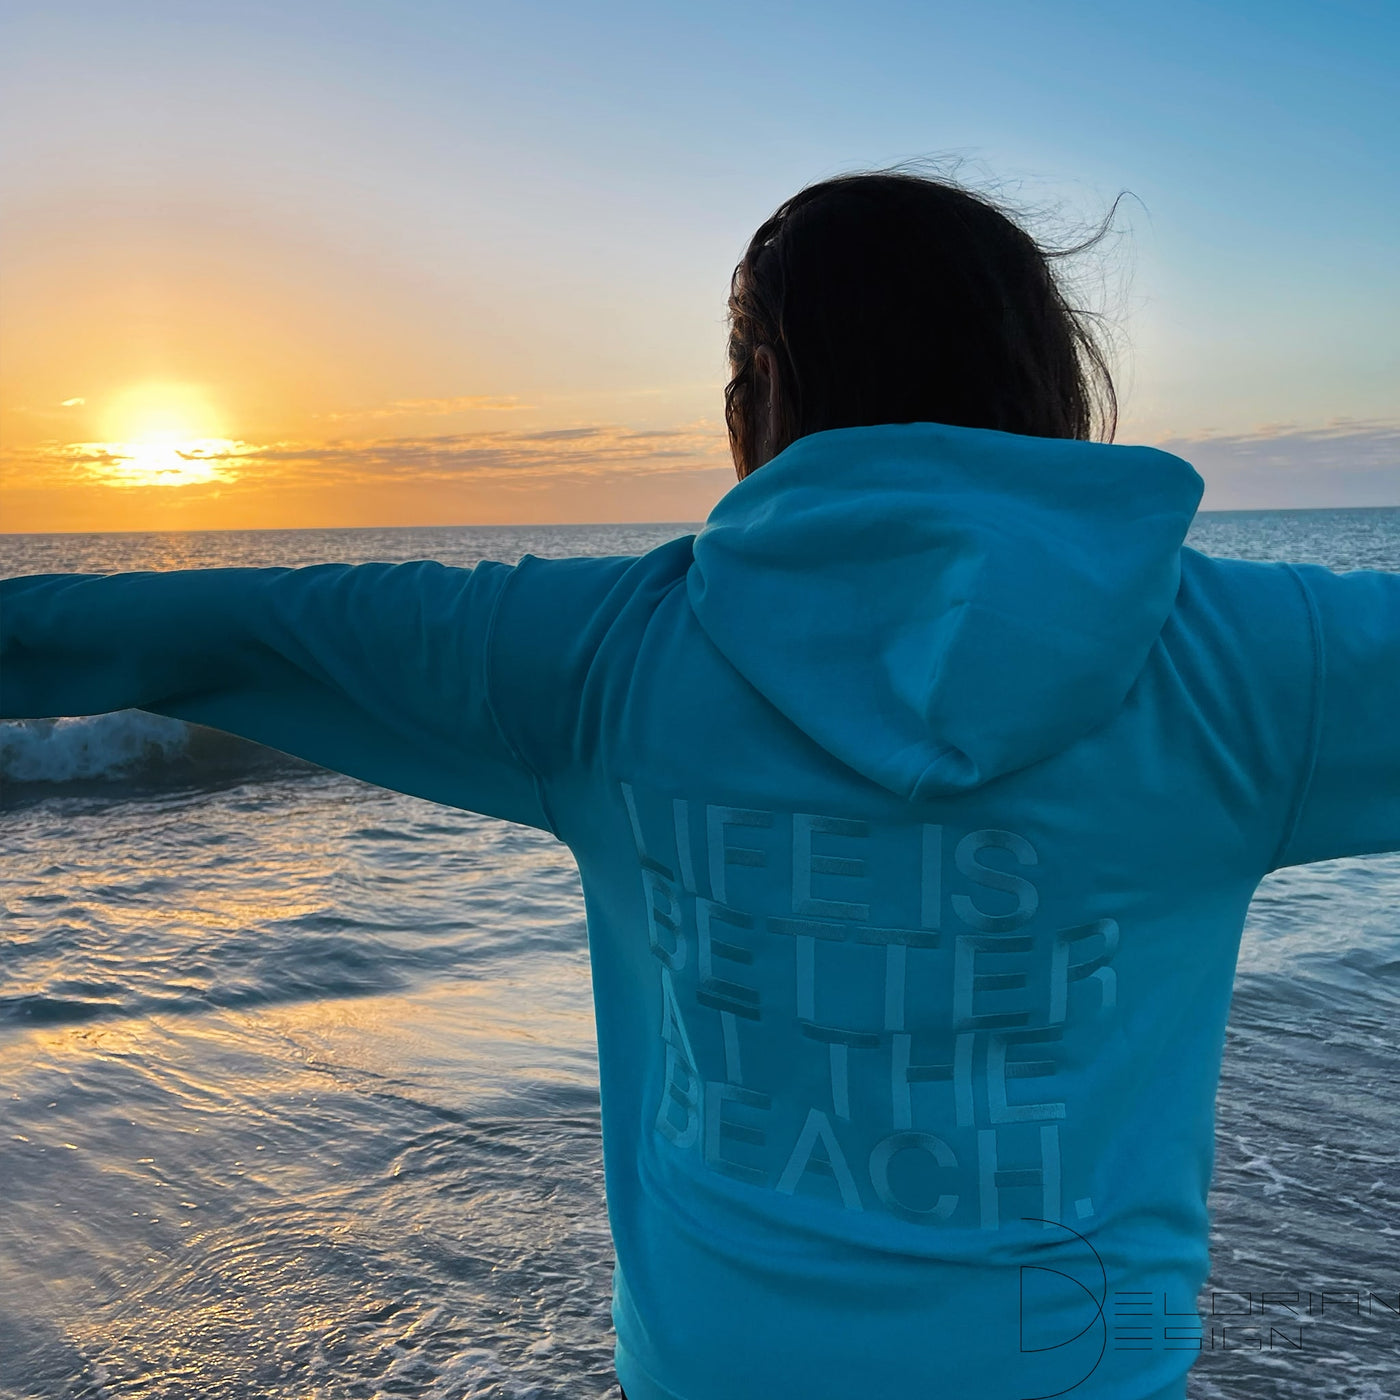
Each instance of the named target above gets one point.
<point>570,524</point>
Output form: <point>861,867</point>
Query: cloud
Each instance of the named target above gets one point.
<point>462,403</point>
<point>507,459</point>
<point>129,464</point>
<point>49,410</point>
<point>1345,462</point>
<point>588,451</point>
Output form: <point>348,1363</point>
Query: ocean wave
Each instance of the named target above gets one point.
<point>127,746</point>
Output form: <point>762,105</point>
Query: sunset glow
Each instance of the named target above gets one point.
<point>161,413</point>
<point>157,434</point>
<point>165,459</point>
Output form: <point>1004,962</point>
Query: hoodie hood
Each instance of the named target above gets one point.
<point>939,606</point>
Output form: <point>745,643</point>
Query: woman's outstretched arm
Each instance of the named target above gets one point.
<point>1349,796</point>
<point>381,671</point>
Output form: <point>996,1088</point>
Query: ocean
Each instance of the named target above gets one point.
<point>298,1080</point>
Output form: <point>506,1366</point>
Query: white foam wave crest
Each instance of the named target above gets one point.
<point>92,747</point>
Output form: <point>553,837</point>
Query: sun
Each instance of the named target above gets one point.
<point>160,434</point>
<point>161,413</point>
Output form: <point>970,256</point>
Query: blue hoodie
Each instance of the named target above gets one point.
<point>918,801</point>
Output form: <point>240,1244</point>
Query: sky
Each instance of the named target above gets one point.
<point>333,264</point>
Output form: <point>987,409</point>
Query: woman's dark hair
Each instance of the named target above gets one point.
<point>890,297</point>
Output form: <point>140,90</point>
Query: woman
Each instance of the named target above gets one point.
<point>918,801</point>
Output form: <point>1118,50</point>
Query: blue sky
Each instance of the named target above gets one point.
<point>369,205</point>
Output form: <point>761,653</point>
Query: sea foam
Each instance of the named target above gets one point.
<point>126,745</point>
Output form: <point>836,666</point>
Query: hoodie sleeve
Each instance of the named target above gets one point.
<point>380,671</point>
<point>1349,794</point>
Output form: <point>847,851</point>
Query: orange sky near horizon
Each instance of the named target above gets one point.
<point>184,374</point>
<point>199,371</point>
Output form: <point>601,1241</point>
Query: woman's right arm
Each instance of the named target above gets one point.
<point>381,671</point>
